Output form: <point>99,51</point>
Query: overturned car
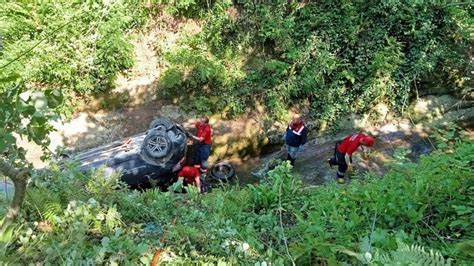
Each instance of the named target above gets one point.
<point>151,157</point>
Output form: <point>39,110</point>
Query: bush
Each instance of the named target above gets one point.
<point>189,8</point>
<point>76,218</point>
<point>79,47</point>
<point>342,57</point>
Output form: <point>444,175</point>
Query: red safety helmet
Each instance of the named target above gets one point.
<point>368,141</point>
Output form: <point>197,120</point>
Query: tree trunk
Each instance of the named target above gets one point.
<point>19,179</point>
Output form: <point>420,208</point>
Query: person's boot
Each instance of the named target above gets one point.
<point>332,162</point>
<point>340,178</point>
<point>289,158</point>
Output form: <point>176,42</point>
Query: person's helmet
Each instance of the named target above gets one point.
<point>368,141</point>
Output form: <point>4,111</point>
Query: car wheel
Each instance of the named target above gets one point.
<point>161,124</point>
<point>223,171</point>
<point>64,156</point>
<point>156,145</point>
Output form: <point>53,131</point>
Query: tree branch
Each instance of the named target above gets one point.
<point>19,178</point>
<point>7,170</point>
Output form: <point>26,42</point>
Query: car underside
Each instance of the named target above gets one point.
<point>153,156</point>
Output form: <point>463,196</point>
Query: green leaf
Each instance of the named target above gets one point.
<point>54,97</point>
<point>10,78</point>
<point>6,140</point>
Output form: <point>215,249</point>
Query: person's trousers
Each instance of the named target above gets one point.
<point>292,153</point>
<point>201,155</point>
<point>340,161</point>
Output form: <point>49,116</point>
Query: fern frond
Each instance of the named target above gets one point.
<point>466,247</point>
<point>414,254</point>
<point>48,205</point>
<point>50,210</point>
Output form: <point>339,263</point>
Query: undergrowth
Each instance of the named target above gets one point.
<point>332,58</point>
<point>76,48</point>
<point>74,218</point>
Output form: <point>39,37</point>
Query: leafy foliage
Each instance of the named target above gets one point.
<point>189,8</point>
<point>404,255</point>
<point>339,56</point>
<point>79,47</point>
<point>335,57</point>
<point>277,221</point>
<point>50,52</point>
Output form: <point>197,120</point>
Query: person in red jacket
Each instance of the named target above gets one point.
<point>191,176</point>
<point>344,150</point>
<point>202,148</point>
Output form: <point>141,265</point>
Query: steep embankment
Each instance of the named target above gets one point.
<point>135,101</point>
<point>240,140</point>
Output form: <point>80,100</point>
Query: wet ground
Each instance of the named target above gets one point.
<point>392,140</point>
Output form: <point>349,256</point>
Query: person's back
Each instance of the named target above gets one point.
<point>204,130</point>
<point>191,176</point>
<point>296,134</point>
<point>350,143</point>
<point>344,150</point>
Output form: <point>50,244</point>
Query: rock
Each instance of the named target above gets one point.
<point>431,107</point>
<point>173,112</point>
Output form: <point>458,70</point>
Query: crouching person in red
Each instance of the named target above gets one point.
<point>202,149</point>
<point>344,150</point>
<point>191,177</point>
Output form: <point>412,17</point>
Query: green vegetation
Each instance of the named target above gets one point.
<point>335,57</point>
<point>90,219</point>
<point>51,52</point>
<point>79,46</point>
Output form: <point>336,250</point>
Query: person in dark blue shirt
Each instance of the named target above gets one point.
<point>295,137</point>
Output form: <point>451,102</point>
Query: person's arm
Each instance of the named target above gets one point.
<point>364,153</point>
<point>347,157</point>
<point>198,183</point>
<point>205,134</point>
<point>197,125</point>
<point>201,139</point>
<point>304,135</point>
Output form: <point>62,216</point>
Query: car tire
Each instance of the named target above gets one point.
<point>223,172</point>
<point>156,147</point>
<point>161,124</point>
<point>64,156</point>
